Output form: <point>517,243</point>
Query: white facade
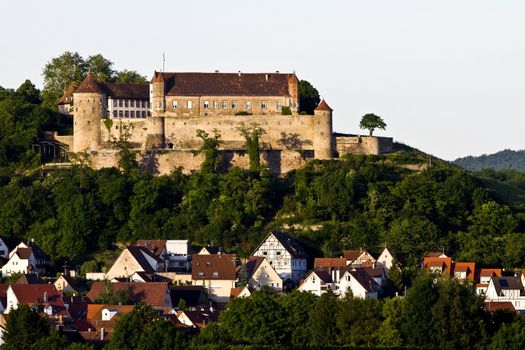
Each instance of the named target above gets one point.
<point>127,109</point>
<point>315,285</point>
<point>265,275</point>
<point>386,260</point>
<point>286,265</point>
<point>514,295</point>
<point>178,255</point>
<point>219,290</point>
<point>18,265</point>
<point>349,282</point>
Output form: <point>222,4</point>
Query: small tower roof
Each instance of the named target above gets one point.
<point>89,85</point>
<point>157,77</point>
<point>323,106</point>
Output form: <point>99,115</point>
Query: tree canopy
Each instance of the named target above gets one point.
<point>371,122</point>
<point>308,97</point>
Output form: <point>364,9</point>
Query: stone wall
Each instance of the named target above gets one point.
<point>356,144</point>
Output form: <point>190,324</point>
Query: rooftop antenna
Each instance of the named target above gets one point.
<point>163,62</point>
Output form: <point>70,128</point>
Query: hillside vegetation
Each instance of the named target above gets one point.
<point>506,159</point>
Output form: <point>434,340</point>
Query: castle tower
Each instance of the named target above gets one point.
<point>158,98</point>
<point>89,102</point>
<point>323,143</point>
<point>155,122</point>
<point>293,91</point>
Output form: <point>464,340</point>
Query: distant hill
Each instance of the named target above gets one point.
<point>506,159</point>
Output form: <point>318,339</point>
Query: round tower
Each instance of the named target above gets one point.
<point>89,103</point>
<point>323,142</point>
<point>158,98</point>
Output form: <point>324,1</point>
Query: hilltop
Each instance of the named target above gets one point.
<point>506,159</point>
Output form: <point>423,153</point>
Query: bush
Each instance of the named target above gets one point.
<point>243,113</point>
<point>285,110</point>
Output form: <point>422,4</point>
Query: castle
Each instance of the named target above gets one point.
<point>161,120</point>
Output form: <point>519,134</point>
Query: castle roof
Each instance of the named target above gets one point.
<point>89,86</point>
<point>67,98</point>
<point>323,106</point>
<point>225,84</point>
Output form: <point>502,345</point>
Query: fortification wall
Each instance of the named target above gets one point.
<point>283,132</point>
<point>137,129</point>
<point>363,145</point>
<point>162,162</point>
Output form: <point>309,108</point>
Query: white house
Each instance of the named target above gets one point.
<point>176,253</point>
<point>261,273</point>
<point>318,282</point>
<point>359,282</point>
<point>217,273</point>
<point>135,259</point>
<point>4,251</point>
<point>285,254</point>
<point>26,258</point>
<point>507,289</point>
<point>359,257</point>
<point>386,260</point>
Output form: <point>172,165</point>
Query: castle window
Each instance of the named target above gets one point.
<point>174,104</point>
<point>190,104</point>
<point>120,103</point>
<point>215,104</point>
<point>206,104</point>
<point>248,105</point>
<point>114,114</point>
<point>133,103</point>
<point>120,114</point>
<point>279,105</point>
<point>108,114</point>
<point>132,114</point>
<point>114,103</point>
<point>234,104</point>
<point>224,104</point>
<point>143,104</point>
<point>264,105</point>
<point>126,114</point>
<point>125,103</point>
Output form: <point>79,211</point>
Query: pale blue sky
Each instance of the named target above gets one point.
<point>447,76</point>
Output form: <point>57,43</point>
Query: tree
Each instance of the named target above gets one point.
<point>130,77</point>
<point>101,68</point>
<point>322,322</point>
<point>160,335</point>
<point>210,148</point>
<point>24,327</point>
<point>371,122</point>
<point>29,92</point>
<point>297,307</point>
<point>59,73</point>
<point>252,135</point>
<point>308,97</point>
<point>511,336</point>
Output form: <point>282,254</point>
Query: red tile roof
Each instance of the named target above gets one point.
<point>323,106</point>
<point>156,246</point>
<point>214,267</point>
<point>329,262</point>
<point>493,306</point>
<point>36,294</point>
<point>89,85</point>
<point>444,262</point>
<point>225,84</point>
<point>468,267</point>
<point>152,293</point>
<point>352,255</point>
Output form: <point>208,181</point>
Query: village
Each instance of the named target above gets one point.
<point>190,288</point>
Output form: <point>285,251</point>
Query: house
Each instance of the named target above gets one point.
<point>436,255</point>
<point>438,265</point>
<point>507,289</point>
<point>198,318</point>
<point>176,253</point>
<point>359,283</point>
<point>376,273</point>
<point>318,282</point>
<point>329,263</point>
<point>44,297</point>
<point>386,260</point>
<point>155,294</point>
<point>206,250</point>
<point>194,296</point>
<point>77,306</point>
<point>217,273</point>
<point>4,250</point>
<point>241,292</point>
<point>133,259</point>
<point>68,285</point>
<point>464,270</point>
<point>285,254</point>
<point>141,276</point>
<point>359,257</point>
<point>100,321</point>
<point>261,273</point>
<point>27,257</point>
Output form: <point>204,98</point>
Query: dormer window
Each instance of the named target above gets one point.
<point>201,273</point>
<point>206,104</point>
<point>215,274</point>
<point>189,104</point>
<point>174,104</point>
<point>208,263</point>
<point>234,104</point>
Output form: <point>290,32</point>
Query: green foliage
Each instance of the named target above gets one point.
<point>285,110</point>
<point>113,296</point>
<point>506,159</point>
<point>210,148</point>
<point>243,113</point>
<point>322,324</point>
<point>89,266</point>
<point>130,77</point>
<point>24,329</point>
<point>252,134</point>
<point>371,122</point>
<point>308,97</point>
<point>510,336</point>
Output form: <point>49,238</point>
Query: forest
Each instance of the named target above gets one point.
<point>506,159</point>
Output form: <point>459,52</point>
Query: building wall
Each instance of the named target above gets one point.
<point>265,275</point>
<point>219,289</point>
<point>311,284</point>
<point>89,108</point>
<point>17,265</point>
<point>363,145</point>
<point>124,266</point>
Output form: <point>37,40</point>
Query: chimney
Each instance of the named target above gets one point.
<point>102,333</point>
<point>267,76</point>
<point>240,73</point>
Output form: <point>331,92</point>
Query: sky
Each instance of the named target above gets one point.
<point>448,76</point>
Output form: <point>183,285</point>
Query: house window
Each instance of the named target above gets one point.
<point>215,104</point>
<point>120,114</point>
<point>234,104</point>
<point>224,104</point>
<point>125,103</point>
<point>190,104</point>
<point>174,104</point>
<point>126,114</point>
<point>132,114</point>
<point>215,274</point>
<point>208,263</point>
<point>114,103</point>
<point>143,114</point>
<point>206,104</point>
<point>265,253</point>
<point>263,104</point>
<point>120,103</point>
<point>248,105</point>
<point>278,253</point>
<point>279,105</point>
<point>313,279</point>
<point>143,104</point>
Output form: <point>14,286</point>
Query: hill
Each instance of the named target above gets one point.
<point>506,159</point>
